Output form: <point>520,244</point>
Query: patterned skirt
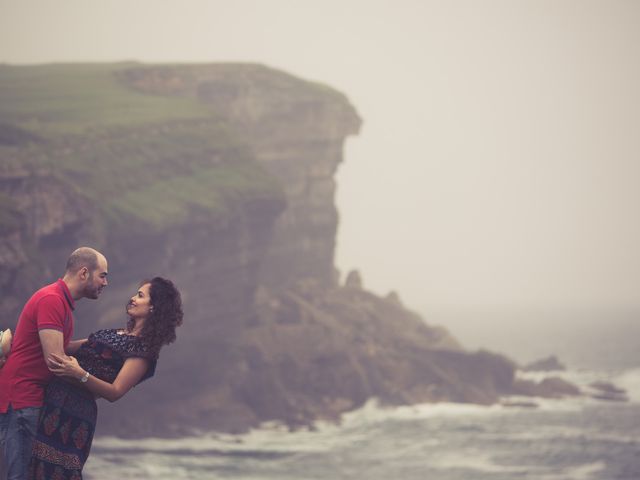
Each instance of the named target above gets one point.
<point>65,433</point>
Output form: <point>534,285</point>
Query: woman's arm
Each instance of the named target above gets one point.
<point>130,374</point>
<point>74,346</point>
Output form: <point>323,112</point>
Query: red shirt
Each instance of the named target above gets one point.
<point>24,376</point>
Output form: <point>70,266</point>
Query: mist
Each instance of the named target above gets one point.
<point>492,187</point>
<point>494,182</point>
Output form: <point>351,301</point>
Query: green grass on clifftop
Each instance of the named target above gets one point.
<point>74,98</point>
<point>216,190</point>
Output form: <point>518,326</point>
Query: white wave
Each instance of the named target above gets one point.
<point>587,471</point>
<point>565,432</point>
<point>566,404</point>
<point>274,437</point>
<point>373,412</point>
<point>478,462</point>
<point>355,426</point>
<point>580,378</point>
<point>150,465</point>
<point>271,437</point>
<point>630,381</point>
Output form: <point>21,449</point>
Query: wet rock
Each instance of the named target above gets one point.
<point>602,390</point>
<point>393,296</point>
<point>551,387</point>
<point>353,280</point>
<point>547,364</point>
<point>519,404</point>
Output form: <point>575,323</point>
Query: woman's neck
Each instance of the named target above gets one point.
<point>138,324</point>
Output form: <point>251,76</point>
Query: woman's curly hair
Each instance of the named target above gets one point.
<point>165,316</point>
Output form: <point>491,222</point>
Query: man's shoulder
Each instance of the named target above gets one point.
<point>51,289</point>
<point>47,295</point>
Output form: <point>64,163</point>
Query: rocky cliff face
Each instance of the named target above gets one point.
<point>221,178</point>
<point>296,133</point>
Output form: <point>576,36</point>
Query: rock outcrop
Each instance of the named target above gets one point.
<point>550,387</point>
<point>548,364</point>
<point>603,390</point>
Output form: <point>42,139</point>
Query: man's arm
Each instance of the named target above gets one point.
<point>52,341</point>
<point>50,319</point>
<point>74,346</point>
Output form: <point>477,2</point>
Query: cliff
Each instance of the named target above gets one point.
<point>220,177</point>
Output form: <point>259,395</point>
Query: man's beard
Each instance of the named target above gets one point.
<point>91,290</point>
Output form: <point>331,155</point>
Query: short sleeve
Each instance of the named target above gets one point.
<point>50,313</point>
<point>141,350</point>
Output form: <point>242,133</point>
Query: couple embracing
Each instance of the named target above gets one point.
<point>49,383</point>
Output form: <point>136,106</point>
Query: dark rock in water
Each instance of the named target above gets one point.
<point>555,386</point>
<point>552,387</point>
<point>349,345</point>
<point>548,364</point>
<point>602,390</point>
<point>607,387</point>
<point>610,397</point>
<point>519,404</point>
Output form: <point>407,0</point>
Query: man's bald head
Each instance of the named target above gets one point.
<point>83,257</point>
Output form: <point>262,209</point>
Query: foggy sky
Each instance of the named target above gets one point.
<point>497,168</point>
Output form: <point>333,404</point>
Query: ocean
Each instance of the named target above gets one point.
<point>566,439</point>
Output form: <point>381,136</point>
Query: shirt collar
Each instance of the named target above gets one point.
<point>67,294</point>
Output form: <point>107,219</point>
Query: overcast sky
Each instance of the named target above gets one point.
<point>498,164</point>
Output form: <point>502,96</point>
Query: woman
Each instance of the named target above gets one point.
<point>107,364</point>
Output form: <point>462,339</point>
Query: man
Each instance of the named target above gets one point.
<point>45,326</point>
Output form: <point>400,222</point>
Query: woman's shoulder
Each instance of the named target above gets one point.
<point>102,334</point>
<point>124,343</point>
<point>135,346</point>
<point>138,347</point>
<point>113,337</point>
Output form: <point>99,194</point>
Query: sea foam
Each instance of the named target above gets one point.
<point>630,381</point>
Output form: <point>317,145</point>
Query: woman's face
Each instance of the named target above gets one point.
<point>140,304</point>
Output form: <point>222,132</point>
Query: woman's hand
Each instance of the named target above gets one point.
<point>6,338</point>
<point>65,366</point>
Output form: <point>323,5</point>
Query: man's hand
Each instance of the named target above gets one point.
<point>6,338</point>
<point>64,366</point>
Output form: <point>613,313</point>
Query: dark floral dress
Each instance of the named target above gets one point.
<point>68,417</point>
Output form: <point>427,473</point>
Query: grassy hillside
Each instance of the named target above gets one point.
<point>131,155</point>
